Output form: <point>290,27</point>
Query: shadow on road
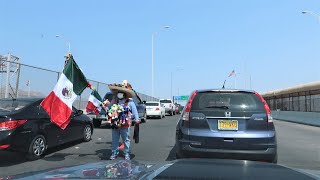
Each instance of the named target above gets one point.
<point>153,118</point>
<point>8,158</point>
<point>172,154</point>
<point>103,142</point>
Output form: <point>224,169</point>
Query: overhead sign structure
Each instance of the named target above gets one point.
<point>182,98</point>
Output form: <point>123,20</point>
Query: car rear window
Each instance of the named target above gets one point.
<point>165,101</point>
<point>152,104</point>
<point>12,105</point>
<point>235,101</point>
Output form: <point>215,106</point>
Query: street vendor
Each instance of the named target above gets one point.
<point>119,111</point>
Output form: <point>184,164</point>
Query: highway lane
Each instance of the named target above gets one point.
<point>156,143</point>
<point>298,146</point>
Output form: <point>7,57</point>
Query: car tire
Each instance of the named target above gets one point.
<point>275,160</point>
<point>160,117</point>
<point>87,133</point>
<point>37,148</point>
<point>144,116</point>
<point>97,123</point>
<point>177,156</point>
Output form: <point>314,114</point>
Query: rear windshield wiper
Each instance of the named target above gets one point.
<point>218,107</point>
<point>3,109</point>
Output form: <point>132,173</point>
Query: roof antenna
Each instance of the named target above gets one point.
<point>224,84</point>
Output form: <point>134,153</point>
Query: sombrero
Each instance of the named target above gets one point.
<point>125,87</point>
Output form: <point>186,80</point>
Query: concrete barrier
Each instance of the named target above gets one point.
<point>307,118</point>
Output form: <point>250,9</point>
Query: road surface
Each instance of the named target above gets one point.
<point>298,146</point>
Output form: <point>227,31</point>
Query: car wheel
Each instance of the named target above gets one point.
<point>177,156</point>
<point>96,123</point>
<point>145,116</point>
<point>87,133</point>
<point>275,160</point>
<point>37,148</point>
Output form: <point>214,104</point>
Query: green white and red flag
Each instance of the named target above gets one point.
<point>94,102</point>
<point>71,83</point>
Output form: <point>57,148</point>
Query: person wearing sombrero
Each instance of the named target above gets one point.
<point>123,93</point>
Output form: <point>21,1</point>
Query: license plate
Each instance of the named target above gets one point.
<point>227,125</point>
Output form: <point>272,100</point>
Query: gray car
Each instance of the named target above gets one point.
<point>222,123</point>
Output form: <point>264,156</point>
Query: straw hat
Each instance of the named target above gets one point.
<point>125,87</point>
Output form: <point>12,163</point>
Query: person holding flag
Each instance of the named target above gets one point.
<point>123,93</point>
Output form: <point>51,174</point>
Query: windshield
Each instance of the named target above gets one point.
<point>231,101</point>
<point>158,81</point>
<point>12,105</point>
<point>152,104</point>
<point>165,101</point>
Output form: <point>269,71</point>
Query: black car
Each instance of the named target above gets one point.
<point>102,116</point>
<point>222,123</point>
<point>26,127</point>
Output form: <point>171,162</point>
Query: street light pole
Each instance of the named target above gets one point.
<point>152,68</point>
<point>152,61</point>
<point>67,42</point>
<point>312,14</point>
<point>177,69</point>
<point>171,86</point>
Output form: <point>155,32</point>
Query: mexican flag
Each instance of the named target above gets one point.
<point>71,83</point>
<point>94,102</point>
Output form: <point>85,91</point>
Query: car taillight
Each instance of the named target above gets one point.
<point>157,109</point>
<point>11,124</point>
<point>266,107</point>
<point>4,146</point>
<point>186,113</point>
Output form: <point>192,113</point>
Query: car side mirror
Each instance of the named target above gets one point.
<point>78,113</point>
<point>144,102</point>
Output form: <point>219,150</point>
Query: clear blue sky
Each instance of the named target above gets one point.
<point>270,40</point>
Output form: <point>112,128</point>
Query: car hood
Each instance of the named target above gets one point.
<point>178,169</point>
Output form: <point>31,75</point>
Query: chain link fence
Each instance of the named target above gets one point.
<point>21,80</point>
<point>306,103</point>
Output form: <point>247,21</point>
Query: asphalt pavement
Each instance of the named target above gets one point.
<point>298,146</point>
<point>156,144</point>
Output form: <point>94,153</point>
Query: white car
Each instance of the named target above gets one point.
<point>169,106</point>
<point>155,109</point>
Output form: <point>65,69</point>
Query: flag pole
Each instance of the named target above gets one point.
<point>235,81</point>
<point>29,84</point>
